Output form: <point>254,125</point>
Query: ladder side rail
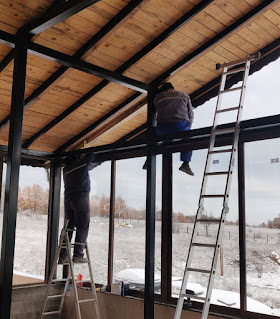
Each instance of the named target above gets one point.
<point>226,198</point>
<point>53,270</point>
<point>77,306</point>
<point>237,128</point>
<point>180,301</point>
<point>206,305</point>
<point>93,288</point>
<point>212,137</point>
<point>64,292</point>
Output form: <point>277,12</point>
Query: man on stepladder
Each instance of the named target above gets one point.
<point>76,202</point>
<point>174,114</point>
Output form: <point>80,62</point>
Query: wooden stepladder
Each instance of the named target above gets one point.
<point>228,68</point>
<point>64,243</point>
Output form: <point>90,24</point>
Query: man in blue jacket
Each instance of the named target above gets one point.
<point>174,114</point>
<point>76,202</point>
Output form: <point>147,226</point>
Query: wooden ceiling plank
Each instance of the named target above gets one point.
<point>267,25</point>
<point>273,17</point>
<point>252,38</point>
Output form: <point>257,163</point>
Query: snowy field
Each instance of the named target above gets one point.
<point>263,273</point>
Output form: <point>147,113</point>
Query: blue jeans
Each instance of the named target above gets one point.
<point>166,128</point>
<point>77,211</point>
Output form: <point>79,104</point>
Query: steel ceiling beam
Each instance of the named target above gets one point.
<point>76,63</point>
<point>56,13</point>
<point>189,58</point>
<point>79,54</point>
<point>164,35</point>
<point>209,44</point>
<point>250,130</point>
<point>269,53</point>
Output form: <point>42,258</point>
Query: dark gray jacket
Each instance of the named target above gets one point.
<point>173,106</point>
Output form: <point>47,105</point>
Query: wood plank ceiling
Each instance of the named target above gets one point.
<point>202,39</point>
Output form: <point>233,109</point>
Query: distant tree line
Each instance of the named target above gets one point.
<point>100,206</point>
<point>34,200</point>
<point>275,223</point>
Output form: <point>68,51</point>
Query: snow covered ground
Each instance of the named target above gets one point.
<point>263,273</point>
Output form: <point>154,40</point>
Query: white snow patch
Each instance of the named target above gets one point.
<point>135,277</point>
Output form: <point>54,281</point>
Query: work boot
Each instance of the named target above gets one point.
<point>186,168</point>
<point>62,261</point>
<point>80,260</point>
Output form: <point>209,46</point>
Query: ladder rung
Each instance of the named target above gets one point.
<point>208,220</point>
<point>228,109</point>
<point>224,130</point>
<point>217,173</point>
<point>50,313</point>
<point>235,71</point>
<point>199,270</point>
<point>221,151</point>
<point>231,90</point>
<point>193,297</point>
<point>204,245</point>
<point>55,296</point>
<point>212,196</point>
<point>86,300</point>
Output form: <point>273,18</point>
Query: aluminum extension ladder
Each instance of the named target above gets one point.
<point>235,67</point>
<point>64,242</point>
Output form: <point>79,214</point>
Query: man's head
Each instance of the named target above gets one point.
<point>165,87</point>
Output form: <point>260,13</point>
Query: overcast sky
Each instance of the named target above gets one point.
<point>262,176</point>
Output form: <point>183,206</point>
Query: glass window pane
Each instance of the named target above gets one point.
<point>31,228</point>
<point>262,172</point>
<point>186,192</point>
<point>130,223</point>
<point>261,98</point>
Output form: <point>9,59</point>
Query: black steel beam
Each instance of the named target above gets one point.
<point>73,62</point>
<point>150,216</point>
<point>120,69</point>
<point>12,178</point>
<point>53,216</point>
<point>28,153</point>
<point>58,12</point>
<point>7,60</point>
<point>166,227</point>
<point>251,130</point>
<point>132,134</point>
<point>1,178</point>
<point>217,38</point>
<point>79,54</point>
<point>86,67</point>
<point>269,53</point>
<point>202,49</point>
<point>51,17</point>
<point>242,226</point>
<point>8,39</point>
<point>98,122</point>
<point>111,225</point>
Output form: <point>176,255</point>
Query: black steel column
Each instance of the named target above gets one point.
<point>1,179</point>
<point>242,226</point>
<point>12,177</point>
<point>150,214</point>
<point>53,216</point>
<point>166,227</point>
<point>111,225</point>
